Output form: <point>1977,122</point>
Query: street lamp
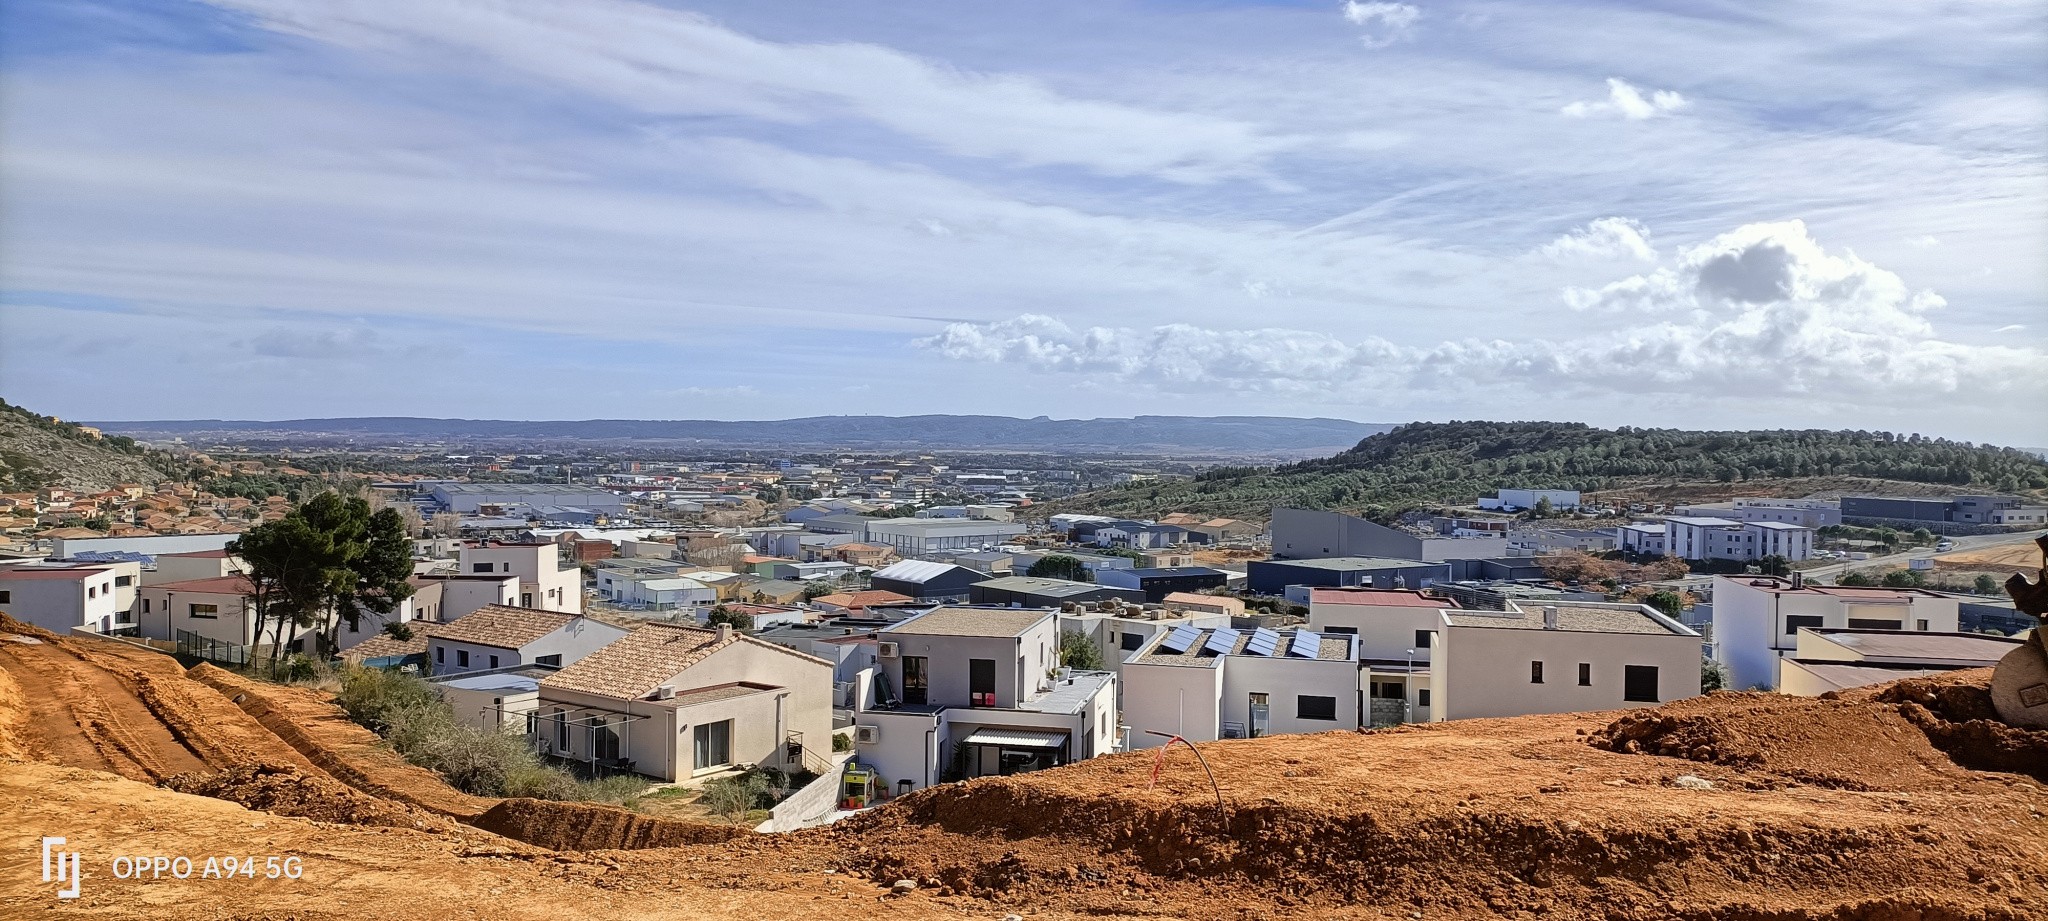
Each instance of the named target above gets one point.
<point>1408,691</point>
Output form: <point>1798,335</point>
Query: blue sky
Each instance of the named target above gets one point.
<point>1725,215</point>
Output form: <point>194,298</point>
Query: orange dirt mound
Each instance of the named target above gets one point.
<point>591,826</point>
<point>289,791</point>
<point>1955,712</point>
<point>1832,743</point>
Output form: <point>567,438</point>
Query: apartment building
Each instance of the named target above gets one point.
<point>1723,539</point>
<point>1204,684</point>
<point>1646,538</point>
<point>1757,619</point>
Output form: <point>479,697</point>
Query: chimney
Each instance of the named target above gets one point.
<point>1798,579</point>
<point>724,632</point>
<point>1550,617</point>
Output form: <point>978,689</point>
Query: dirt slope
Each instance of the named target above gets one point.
<point>1886,804</point>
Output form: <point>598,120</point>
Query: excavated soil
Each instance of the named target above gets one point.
<point>1887,804</point>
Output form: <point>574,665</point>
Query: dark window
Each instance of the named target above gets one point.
<point>494,661</point>
<point>1315,708</point>
<point>6,597</point>
<point>1422,697</point>
<point>526,599</point>
<point>1342,631</point>
<point>124,580</point>
<point>1795,621</point>
<point>562,730</point>
<point>1422,638</point>
<point>1133,641</point>
<point>1920,625</point>
<point>145,602</point>
<point>981,682</point>
<point>553,661</point>
<point>1639,683</point>
<point>203,610</point>
<point>480,567</point>
<point>1866,623</point>
<point>604,743</point>
<point>1585,674</point>
<point>440,654</point>
<point>917,680</point>
<point>462,658</point>
<point>714,744</point>
<point>1535,673</point>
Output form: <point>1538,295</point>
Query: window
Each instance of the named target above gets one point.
<point>1132,641</point>
<point>562,730</point>
<point>526,599</point>
<point>92,591</point>
<point>981,682</point>
<point>204,611</point>
<point>6,597</point>
<point>714,744</point>
<point>1309,707</point>
<point>553,661</point>
<point>440,654</point>
<point>480,567</point>
<point>604,743</point>
<point>1867,623</point>
<point>917,680</point>
<point>1639,683</point>
<point>1920,625</point>
<point>1585,674</point>
<point>145,604</point>
<point>462,658</point>
<point>1346,631</point>
<point>1389,690</point>
<point>1422,638</point>
<point>124,581</point>
<point>1535,673</point>
<point>1422,697</point>
<point>1795,621</point>
<point>494,661</point>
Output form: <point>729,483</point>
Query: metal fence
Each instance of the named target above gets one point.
<point>212,650</point>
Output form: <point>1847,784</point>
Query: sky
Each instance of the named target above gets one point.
<point>1692,215</point>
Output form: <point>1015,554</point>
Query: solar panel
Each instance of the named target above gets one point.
<point>1179,640</point>
<point>1221,641</point>
<point>1306,644</point>
<point>1264,642</point>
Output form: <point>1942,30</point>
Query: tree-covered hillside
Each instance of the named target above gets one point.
<point>37,451</point>
<point>1429,462</point>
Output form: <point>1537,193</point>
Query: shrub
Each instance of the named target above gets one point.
<point>731,798</point>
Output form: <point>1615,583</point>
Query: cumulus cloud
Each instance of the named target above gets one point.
<point>1762,311</point>
<point>1629,102</point>
<point>1381,23</point>
<point>1606,238</point>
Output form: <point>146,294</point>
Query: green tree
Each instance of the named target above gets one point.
<point>1078,651</point>
<point>1903,578</point>
<point>1856,577</point>
<point>325,564</point>
<point>1774,565</point>
<point>1713,675</point>
<point>1671,604</point>
<point>1060,566</point>
<point>817,588</point>
<point>738,620</point>
<point>1986,584</point>
<point>1543,508</point>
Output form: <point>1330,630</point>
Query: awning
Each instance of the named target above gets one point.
<point>1016,738</point>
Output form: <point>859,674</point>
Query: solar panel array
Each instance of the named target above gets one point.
<point>1179,640</point>
<point>1264,642</point>
<point>1222,641</point>
<point>1306,645</point>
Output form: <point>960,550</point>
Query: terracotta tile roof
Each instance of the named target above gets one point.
<point>503,626</point>
<point>632,666</point>
<point>384,645</point>
<point>855,600</point>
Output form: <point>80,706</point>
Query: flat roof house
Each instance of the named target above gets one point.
<point>498,636</point>
<point>1160,582</point>
<point>1757,619</point>
<point>1396,628</point>
<point>1274,577</point>
<point>963,692</point>
<point>1033,592</point>
<point>59,599</point>
<point>686,703</point>
<point>543,582</point>
<point>1828,659</point>
<point>1559,658</point>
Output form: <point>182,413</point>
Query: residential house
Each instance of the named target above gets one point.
<point>1644,538</point>
<point>462,594</point>
<point>1559,658</point>
<point>217,609</point>
<point>963,692</point>
<point>191,565</point>
<point>1222,683</point>
<point>499,636</point>
<point>1156,584</point>
<point>1828,659</point>
<point>1757,619</point>
<point>774,591</point>
<point>1396,629</point>
<point>1299,534</point>
<point>856,603</point>
<point>62,598</point>
<point>685,703</point>
<point>543,582</point>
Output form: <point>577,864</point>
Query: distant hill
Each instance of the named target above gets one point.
<point>1234,434</point>
<point>38,451</point>
<point>1424,463</point>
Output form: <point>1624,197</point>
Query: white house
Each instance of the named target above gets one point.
<point>1220,683</point>
<point>461,595</point>
<point>543,583</point>
<point>1827,659</point>
<point>192,565</point>
<point>496,637</point>
<point>1757,618</point>
<point>962,692</point>
<point>684,703</point>
<point>217,609</point>
<point>1646,538</point>
<point>60,598</point>
<point>1396,629</point>
<point>1559,658</point>
<point>1723,539</point>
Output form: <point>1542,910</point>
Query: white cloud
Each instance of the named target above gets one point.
<point>1625,100</point>
<point>1759,312</point>
<point>1382,23</point>
<point>665,62</point>
<point>1606,238</point>
<point>2011,328</point>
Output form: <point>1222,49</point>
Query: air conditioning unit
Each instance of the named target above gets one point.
<point>867,735</point>
<point>888,650</point>
<point>664,692</point>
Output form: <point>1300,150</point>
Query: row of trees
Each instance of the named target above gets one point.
<point>329,562</point>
